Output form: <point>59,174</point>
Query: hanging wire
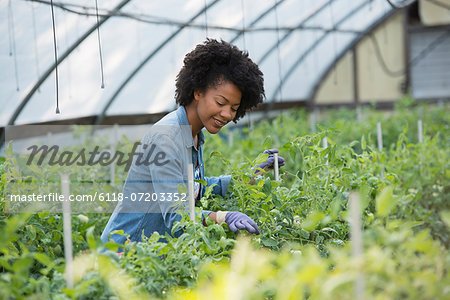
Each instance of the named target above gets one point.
<point>436,42</point>
<point>334,45</point>
<point>99,46</point>
<point>9,29</point>
<point>243,23</point>
<point>149,19</point>
<point>56,58</point>
<point>280,76</point>
<point>206,19</point>
<point>12,41</point>
<point>36,54</point>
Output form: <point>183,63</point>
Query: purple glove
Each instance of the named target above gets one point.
<point>270,160</point>
<point>237,220</point>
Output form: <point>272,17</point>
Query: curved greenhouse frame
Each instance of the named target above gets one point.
<point>296,43</point>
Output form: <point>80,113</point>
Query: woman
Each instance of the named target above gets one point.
<point>217,84</point>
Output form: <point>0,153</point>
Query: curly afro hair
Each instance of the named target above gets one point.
<point>214,62</point>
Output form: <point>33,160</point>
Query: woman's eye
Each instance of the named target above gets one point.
<point>220,104</point>
<point>234,110</point>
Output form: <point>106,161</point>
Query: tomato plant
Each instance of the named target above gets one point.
<point>304,249</point>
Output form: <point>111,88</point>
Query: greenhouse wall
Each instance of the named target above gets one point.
<point>390,40</point>
<point>408,52</point>
<point>430,77</point>
<point>430,42</point>
<point>432,14</point>
<point>339,84</point>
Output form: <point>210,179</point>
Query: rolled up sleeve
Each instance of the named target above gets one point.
<point>221,184</point>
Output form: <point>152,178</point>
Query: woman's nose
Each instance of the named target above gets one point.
<point>227,113</point>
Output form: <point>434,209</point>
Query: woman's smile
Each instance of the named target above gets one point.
<point>220,123</point>
<point>214,108</point>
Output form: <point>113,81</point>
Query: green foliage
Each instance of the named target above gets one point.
<point>161,262</point>
<point>396,264</point>
<point>304,249</point>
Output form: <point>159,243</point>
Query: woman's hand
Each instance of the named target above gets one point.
<point>235,220</point>
<point>268,164</point>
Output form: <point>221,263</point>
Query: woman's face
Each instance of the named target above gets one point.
<point>218,105</point>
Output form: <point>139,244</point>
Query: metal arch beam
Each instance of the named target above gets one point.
<point>101,116</point>
<point>259,18</point>
<point>352,44</point>
<point>306,19</point>
<point>403,5</point>
<point>60,59</point>
<point>313,46</point>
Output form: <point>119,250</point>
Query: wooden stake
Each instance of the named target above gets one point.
<point>112,166</point>
<point>325,146</point>
<point>357,245</point>
<point>275,166</point>
<point>380,142</point>
<point>191,192</point>
<point>112,169</point>
<point>313,119</point>
<point>358,114</point>
<point>67,227</point>
<point>420,131</point>
<point>380,137</point>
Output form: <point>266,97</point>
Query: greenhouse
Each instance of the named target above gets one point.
<point>285,149</point>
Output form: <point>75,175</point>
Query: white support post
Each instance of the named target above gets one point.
<point>420,111</point>
<point>420,131</point>
<point>49,139</point>
<point>312,122</point>
<point>112,170</point>
<point>67,227</point>
<point>275,166</point>
<point>325,146</point>
<point>380,142</point>
<point>358,114</point>
<point>379,137</point>
<point>357,244</point>
<point>112,166</point>
<point>313,119</point>
<point>191,192</point>
<point>230,138</point>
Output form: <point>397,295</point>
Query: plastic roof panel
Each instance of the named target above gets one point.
<point>309,44</point>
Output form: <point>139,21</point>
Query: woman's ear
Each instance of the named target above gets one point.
<point>197,95</point>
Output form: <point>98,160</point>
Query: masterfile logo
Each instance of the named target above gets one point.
<point>96,162</point>
<point>84,157</point>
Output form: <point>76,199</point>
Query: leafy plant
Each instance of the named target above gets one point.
<point>304,249</point>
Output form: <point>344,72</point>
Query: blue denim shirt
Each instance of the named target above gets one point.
<point>146,207</point>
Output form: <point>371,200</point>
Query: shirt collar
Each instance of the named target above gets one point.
<point>183,120</point>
